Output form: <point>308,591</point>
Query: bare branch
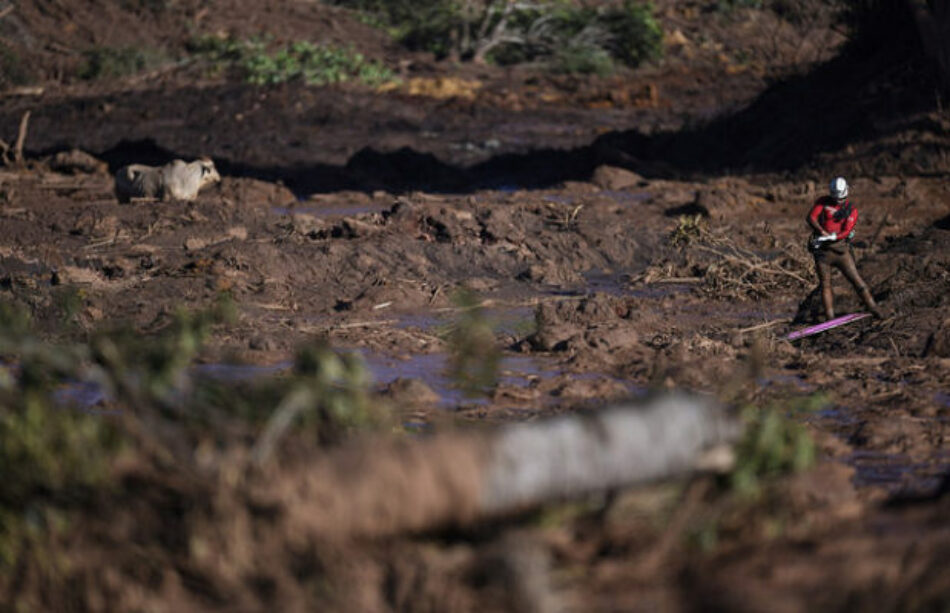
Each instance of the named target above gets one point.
<point>21,137</point>
<point>499,33</point>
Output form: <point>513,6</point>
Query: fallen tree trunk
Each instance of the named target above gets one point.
<point>373,489</point>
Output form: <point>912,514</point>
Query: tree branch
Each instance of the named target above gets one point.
<point>21,138</point>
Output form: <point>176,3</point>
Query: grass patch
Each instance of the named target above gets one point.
<point>258,61</point>
<point>115,62</point>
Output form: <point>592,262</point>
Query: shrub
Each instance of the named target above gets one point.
<point>474,354</point>
<point>572,38</point>
<point>773,444</point>
<point>580,59</point>
<point>112,62</point>
<point>314,64</point>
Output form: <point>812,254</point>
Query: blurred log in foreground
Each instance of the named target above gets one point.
<point>379,488</point>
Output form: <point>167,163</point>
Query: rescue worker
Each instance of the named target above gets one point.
<point>832,218</point>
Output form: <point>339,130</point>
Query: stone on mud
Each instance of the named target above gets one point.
<point>553,337</point>
<point>615,179</point>
<point>410,391</point>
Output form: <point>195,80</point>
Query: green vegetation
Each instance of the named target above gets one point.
<point>113,62</point>
<point>773,445</point>
<point>57,458</point>
<point>259,62</point>
<point>569,38</point>
<point>474,354</point>
<point>688,229</point>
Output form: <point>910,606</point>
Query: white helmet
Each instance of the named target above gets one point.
<point>838,188</point>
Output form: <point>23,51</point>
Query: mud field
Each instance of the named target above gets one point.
<point>621,236</point>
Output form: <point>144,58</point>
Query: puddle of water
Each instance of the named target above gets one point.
<point>422,321</point>
<point>513,321</point>
<point>627,197</point>
<point>342,210</point>
<point>617,284</point>
<point>89,396</point>
<point>617,196</point>
<point>86,396</point>
<point>897,473</point>
<point>431,369</point>
<point>238,372</point>
<point>796,381</point>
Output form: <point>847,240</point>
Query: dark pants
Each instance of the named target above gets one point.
<point>839,256</point>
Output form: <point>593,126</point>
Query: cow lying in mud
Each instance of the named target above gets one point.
<point>176,180</point>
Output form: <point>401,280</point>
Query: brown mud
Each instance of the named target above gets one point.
<point>355,216</point>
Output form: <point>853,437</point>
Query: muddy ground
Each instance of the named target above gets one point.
<point>623,235</point>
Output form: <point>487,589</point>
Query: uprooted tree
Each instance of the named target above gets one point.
<point>567,35</point>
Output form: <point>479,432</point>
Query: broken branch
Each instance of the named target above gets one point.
<point>21,138</point>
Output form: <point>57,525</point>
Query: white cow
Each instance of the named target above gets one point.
<point>177,180</point>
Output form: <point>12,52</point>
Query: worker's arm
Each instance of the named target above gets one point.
<point>812,219</point>
<point>849,224</point>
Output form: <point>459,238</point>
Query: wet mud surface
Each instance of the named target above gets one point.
<point>614,256</point>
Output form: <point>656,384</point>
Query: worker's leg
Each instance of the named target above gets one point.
<point>845,263</point>
<point>823,268</point>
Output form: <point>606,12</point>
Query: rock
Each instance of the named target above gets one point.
<point>613,339</point>
<point>676,39</point>
<point>585,389</point>
<point>615,179</point>
<point>262,343</point>
<point>411,391</point>
<point>553,337</point>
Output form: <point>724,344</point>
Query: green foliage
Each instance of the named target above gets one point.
<point>338,384</point>
<point>57,459</point>
<point>113,62</point>
<point>49,457</point>
<point>571,38</point>
<point>328,394</point>
<point>582,59</point>
<point>474,353</point>
<point>688,229</point>
<point>636,36</point>
<point>260,63</point>
<point>152,372</point>
<point>773,445</point>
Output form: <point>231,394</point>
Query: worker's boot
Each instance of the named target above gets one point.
<point>869,303</point>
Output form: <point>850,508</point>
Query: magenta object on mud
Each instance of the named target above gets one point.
<point>834,323</point>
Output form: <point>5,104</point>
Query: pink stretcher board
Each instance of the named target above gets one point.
<point>828,325</point>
